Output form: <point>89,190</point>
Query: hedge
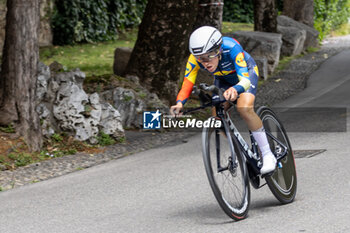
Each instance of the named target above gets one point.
<point>329,15</point>
<point>75,21</point>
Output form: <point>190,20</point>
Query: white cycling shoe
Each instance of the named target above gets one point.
<point>269,163</point>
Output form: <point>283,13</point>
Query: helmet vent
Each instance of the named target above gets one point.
<point>197,50</point>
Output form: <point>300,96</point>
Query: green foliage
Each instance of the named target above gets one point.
<point>21,159</point>
<point>343,30</point>
<point>105,139</point>
<point>127,98</point>
<point>239,11</point>
<point>312,49</point>
<point>8,129</point>
<point>228,27</point>
<point>142,95</point>
<point>279,5</point>
<point>75,21</point>
<point>330,15</point>
<point>57,137</point>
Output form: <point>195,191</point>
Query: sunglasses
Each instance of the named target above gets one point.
<point>208,56</point>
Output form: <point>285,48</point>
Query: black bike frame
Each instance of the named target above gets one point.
<point>220,114</point>
<point>252,155</point>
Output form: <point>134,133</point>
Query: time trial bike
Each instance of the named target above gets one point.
<point>230,162</point>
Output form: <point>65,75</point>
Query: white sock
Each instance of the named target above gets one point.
<point>260,137</point>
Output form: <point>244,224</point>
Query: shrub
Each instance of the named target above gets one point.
<point>75,21</point>
<point>330,14</point>
<point>238,11</point>
<point>105,139</point>
<point>21,159</point>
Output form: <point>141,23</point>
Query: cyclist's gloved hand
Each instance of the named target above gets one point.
<point>231,94</point>
<point>176,109</point>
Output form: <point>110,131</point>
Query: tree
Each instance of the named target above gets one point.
<point>300,10</point>
<point>265,15</point>
<point>209,13</point>
<point>19,71</point>
<point>161,45</point>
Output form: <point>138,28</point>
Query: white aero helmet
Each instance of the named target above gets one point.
<point>204,40</point>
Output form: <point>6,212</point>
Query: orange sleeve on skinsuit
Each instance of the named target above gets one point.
<point>192,68</point>
<point>185,91</point>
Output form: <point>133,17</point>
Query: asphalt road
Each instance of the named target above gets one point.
<point>166,190</point>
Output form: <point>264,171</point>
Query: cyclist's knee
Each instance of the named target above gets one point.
<point>246,112</point>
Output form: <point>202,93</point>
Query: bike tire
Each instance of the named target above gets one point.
<point>235,206</point>
<point>283,181</point>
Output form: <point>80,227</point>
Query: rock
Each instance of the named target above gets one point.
<point>52,89</point>
<point>261,44</point>
<point>130,108</point>
<point>154,103</point>
<point>132,104</point>
<point>133,78</point>
<point>56,67</point>
<point>3,167</point>
<point>261,62</point>
<point>111,122</point>
<point>65,106</point>
<point>44,70</point>
<point>121,59</point>
<point>68,110</point>
<point>293,40</point>
<point>96,109</point>
<point>75,76</point>
<point>45,119</point>
<point>311,39</point>
<point>41,85</point>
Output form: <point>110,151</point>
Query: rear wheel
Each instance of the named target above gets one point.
<point>228,179</point>
<point>283,181</point>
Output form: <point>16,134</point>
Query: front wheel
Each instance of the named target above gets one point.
<point>283,181</point>
<point>227,171</point>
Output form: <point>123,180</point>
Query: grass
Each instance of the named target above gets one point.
<point>228,27</point>
<point>343,30</point>
<point>93,59</point>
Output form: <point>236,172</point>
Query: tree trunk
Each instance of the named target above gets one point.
<point>265,16</point>
<point>300,10</point>
<point>209,14</point>
<point>161,44</point>
<point>19,71</point>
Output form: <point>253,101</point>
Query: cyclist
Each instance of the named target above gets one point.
<point>235,71</point>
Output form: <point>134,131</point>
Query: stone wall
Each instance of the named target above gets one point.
<point>45,36</point>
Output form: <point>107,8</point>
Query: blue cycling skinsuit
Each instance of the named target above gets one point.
<point>236,69</point>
